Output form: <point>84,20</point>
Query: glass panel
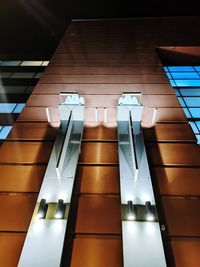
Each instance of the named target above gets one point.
<point>7,107</point>
<point>197,68</point>
<point>181,68</point>
<point>29,89</point>
<point>38,75</point>
<point>5,74</point>
<point>10,63</point>
<point>187,82</point>
<point>187,114</point>
<point>168,75</point>
<point>23,75</point>
<point>19,108</point>
<point>190,92</point>
<point>180,99</point>
<point>45,63</point>
<point>5,131</point>
<point>172,83</point>
<point>192,101</point>
<point>31,63</point>
<point>177,92</point>
<point>194,127</point>
<point>198,138</point>
<point>1,127</point>
<point>12,89</point>
<point>198,124</point>
<point>185,75</point>
<point>195,112</point>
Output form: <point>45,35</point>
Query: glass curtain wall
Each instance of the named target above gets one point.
<point>186,83</point>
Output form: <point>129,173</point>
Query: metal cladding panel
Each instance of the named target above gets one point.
<point>99,179</point>
<point>33,114</point>
<point>99,132</point>
<point>182,216</point>
<point>108,89</point>
<point>16,212</point>
<point>174,154</point>
<point>21,178</point>
<point>178,181</point>
<point>99,153</point>
<point>169,132</point>
<point>43,100</point>
<point>186,252</point>
<point>98,215</point>
<point>11,246</point>
<point>97,251</point>
<point>104,78</point>
<point>25,152</point>
<point>32,131</point>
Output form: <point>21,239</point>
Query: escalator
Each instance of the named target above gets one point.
<point>94,234</point>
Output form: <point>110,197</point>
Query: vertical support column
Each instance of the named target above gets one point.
<point>44,241</point>
<point>142,243</point>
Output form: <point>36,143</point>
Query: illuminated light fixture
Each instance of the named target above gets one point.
<point>149,211</point>
<point>42,209</point>
<point>131,214</point>
<point>60,209</point>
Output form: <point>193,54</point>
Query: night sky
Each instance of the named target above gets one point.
<point>33,28</point>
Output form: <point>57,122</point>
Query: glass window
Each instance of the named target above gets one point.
<point>31,63</point>
<point>185,75</point>
<point>190,92</point>
<point>198,124</point>
<point>180,68</point>
<point>187,113</point>
<point>169,75</point>
<point>192,101</point>
<point>177,92</point>
<point>38,75</point>
<point>23,75</point>
<point>180,99</point>
<point>10,63</point>
<point>5,74</point>
<point>188,83</point>
<point>7,107</point>
<point>172,83</point>
<point>194,127</point>
<point>5,131</point>
<point>197,68</point>
<point>195,112</point>
<point>45,63</point>
<point>19,108</point>
<point>198,138</point>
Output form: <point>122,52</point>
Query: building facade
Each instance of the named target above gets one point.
<point>101,60</point>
